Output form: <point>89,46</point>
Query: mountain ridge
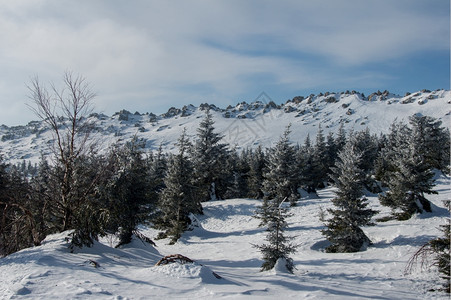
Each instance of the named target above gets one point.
<point>244,125</point>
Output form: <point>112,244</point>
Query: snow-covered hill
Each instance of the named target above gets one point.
<point>245,125</point>
<point>223,243</point>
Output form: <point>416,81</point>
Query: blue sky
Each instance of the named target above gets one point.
<point>147,56</point>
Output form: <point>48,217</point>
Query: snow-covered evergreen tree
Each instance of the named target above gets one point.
<point>178,198</point>
<point>367,145</point>
<point>237,170</point>
<point>256,173</point>
<point>278,246</point>
<point>281,177</point>
<point>129,193</point>
<point>408,183</point>
<point>431,140</point>
<point>157,164</point>
<point>350,212</point>
<point>306,166</point>
<point>320,160</point>
<point>409,164</point>
<point>279,185</point>
<point>209,156</point>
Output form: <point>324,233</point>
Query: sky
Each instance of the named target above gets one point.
<point>146,56</point>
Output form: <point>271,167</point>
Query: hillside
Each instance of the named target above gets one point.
<point>244,125</point>
<point>223,243</point>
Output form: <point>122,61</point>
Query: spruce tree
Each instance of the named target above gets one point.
<point>18,215</point>
<point>350,212</point>
<point>178,198</point>
<point>306,166</point>
<point>408,171</point>
<point>257,166</point>
<point>278,246</point>
<point>279,185</point>
<point>408,183</point>
<point>320,160</point>
<point>237,172</point>
<point>432,141</point>
<point>281,178</point>
<point>157,169</point>
<point>209,156</point>
<point>129,195</point>
<point>367,145</point>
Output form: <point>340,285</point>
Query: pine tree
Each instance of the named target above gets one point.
<point>129,193</point>
<point>178,198</point>
<point>350,212</point>
<point>256,173</point>
<point>409,182</point>
<point>208,156</point>
<point>157,169</point>
<point>409,172</point>
<point>306,166</point>
<point>237,170</point>
<point>279,185</point>
<point>90,218</point>
<point>367,145</point>
<point>278,246</point>
<point>18,215</point>
<point>281,178</point>
<point>432,141</point>
<point>331,151</point>
<point>319,161</point>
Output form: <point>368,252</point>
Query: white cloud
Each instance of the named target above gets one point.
<point>154,51</point>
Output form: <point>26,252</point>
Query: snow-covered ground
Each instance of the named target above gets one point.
<point>223,243</point>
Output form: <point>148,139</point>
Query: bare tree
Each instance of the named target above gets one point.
<point>66,112</point>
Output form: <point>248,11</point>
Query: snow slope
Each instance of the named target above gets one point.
<point>223,243</point>
<point>245,125</point>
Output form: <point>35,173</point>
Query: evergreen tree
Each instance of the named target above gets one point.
<point>340,141</point>
<point>306,166</point>
<point>157,170</point>
<point>408,171</point>
<point>319,161</point>
<point>18,228</point>
<point>278,246</point>
<point>256,173</point>
<point>390,147</point>
<point>367,145</point>
<point>350,212</point>
<point>129,191</point>
<point>209,156</point>
<point>431,140</point>
<point>281,177</point>
<point>178,198</point>
<point>237,170</point>
<point>42,185</point>
<point>90,217</point>
<point>331,151</point>
<point>409,182</point>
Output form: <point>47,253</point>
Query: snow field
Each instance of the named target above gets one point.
<point>223,244</point>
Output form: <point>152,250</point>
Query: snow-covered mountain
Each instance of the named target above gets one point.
<point>227,265</point>
<point>244,125</point>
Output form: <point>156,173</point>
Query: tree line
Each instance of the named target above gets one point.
<point>93,194</point>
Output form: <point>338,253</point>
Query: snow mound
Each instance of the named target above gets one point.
<point>188,270</point>
<point>281,267</point>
